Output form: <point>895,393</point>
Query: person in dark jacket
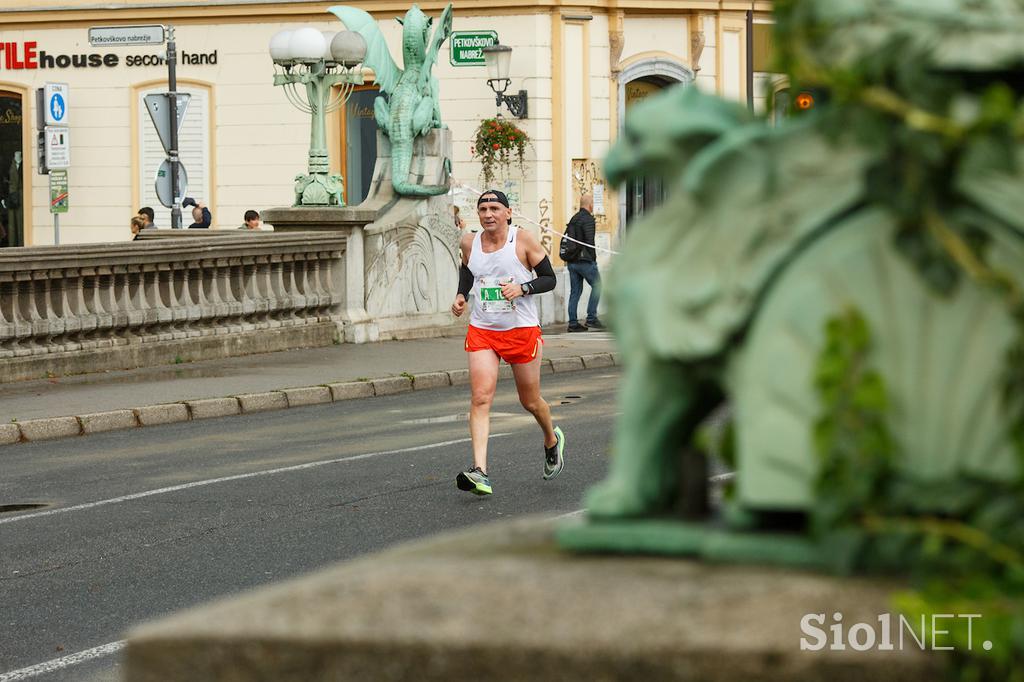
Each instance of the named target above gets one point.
<point>200,213</point>
<point>582,227</point>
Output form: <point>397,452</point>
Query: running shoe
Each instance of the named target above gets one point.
<point>475,481</point>
<point>554,457</point>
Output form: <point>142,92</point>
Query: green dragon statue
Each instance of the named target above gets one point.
<point>412,104</point>
<point>849,281</point>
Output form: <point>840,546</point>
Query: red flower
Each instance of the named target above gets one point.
<point>496,145</point>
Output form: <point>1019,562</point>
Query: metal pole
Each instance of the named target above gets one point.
<point>172,102</point>
<point>56,229</point>
<point>750,56</point>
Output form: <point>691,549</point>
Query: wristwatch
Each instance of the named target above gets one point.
<point>526,288</point>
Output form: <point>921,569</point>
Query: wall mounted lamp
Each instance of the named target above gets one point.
<point>498,58</point>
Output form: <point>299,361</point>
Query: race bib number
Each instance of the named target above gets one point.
<point>491,300</point>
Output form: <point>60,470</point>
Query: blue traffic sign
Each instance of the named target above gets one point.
<point>57,107</point>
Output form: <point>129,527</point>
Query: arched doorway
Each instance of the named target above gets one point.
<point>12,170</point>
<point>637,82</point>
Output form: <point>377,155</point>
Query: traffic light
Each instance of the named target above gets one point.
<point>809,99</point>
<point>804,101</point>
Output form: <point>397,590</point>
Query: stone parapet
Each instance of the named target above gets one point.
<point>502,603</point>
<point>91,298</point>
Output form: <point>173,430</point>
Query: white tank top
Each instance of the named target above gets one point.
<point>490,309</point>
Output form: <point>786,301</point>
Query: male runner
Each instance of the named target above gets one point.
<point>497,269</point>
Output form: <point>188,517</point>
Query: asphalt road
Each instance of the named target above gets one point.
<point>138,524</point>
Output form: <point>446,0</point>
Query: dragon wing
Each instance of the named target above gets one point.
<point>441,34</point>
<point>378,57</point>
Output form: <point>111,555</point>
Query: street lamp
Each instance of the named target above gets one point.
<point>498,58</point>
<point>319,61</point>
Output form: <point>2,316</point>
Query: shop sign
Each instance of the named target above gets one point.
<point>17,56</point>
<point>467,47</point>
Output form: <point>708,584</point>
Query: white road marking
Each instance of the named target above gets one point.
<point>461,417</point>
<point>568,515</point>
<point>63,662</point>
<point>236,477</point>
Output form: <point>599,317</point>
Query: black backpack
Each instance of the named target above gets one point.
<point>569,251</point>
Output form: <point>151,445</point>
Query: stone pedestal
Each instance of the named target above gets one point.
<point>406,248</point>
<point>501,602</point>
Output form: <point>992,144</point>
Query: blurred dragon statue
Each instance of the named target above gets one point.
<point>847,281</point>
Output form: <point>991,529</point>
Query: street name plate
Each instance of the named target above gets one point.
<point>107,36</point>
<point>467,47</point>
<point>58,191</point>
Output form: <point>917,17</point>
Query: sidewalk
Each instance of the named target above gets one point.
<point>246,381</point>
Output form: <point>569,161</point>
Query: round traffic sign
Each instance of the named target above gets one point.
<point>163,183</point>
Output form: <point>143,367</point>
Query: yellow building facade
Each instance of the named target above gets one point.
<point>242,143</point>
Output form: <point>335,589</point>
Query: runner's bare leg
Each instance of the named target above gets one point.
<point>483,379</point>
<point>527,378</point>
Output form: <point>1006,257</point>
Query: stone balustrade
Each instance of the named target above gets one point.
<point>170,292</point>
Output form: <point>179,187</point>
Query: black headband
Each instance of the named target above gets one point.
<point>497,196</point>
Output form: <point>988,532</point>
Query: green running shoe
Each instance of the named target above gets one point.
<point>475,481</point>
<point>554,457</point>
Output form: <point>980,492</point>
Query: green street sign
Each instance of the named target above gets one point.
<point>58,191</point>
<point>467,47</point>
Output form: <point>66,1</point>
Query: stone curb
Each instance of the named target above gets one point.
<point>261,402</point>
<point>428,380</point>
<point>567,364</point>
<point>99,422</point>
<point>350,390</point>
<point>9,433</point>
<point>313,395</point>
<point>50,428</point>
<point>391,385</point>
<point>208,408</point>
<point>155,415</point>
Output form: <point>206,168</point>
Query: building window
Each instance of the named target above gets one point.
<point>193,150</point>
<point>12,171</point>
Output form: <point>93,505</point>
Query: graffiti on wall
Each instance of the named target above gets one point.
<point>544,213</point>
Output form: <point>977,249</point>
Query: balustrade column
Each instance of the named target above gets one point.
<point>79,303</point>
<point>7,328</point>
<point>62,316</point>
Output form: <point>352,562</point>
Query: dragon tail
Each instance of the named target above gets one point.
<point>399,180</point>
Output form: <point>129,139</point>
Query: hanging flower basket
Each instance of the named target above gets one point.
<point>497,143</point>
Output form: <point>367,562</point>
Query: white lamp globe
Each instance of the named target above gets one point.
<point>328,37</point>
<point>279,46</point>
<point>306,45</point>
<point>348,48</point>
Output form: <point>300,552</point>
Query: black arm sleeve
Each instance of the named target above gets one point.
<point>465,281</point>
<point>545,277</point>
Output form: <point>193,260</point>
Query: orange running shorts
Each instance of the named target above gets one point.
<point>514,346</point>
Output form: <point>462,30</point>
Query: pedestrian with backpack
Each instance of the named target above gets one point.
<point>581,260</point>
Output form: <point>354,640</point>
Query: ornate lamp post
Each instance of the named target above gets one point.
<point>318,61</point>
